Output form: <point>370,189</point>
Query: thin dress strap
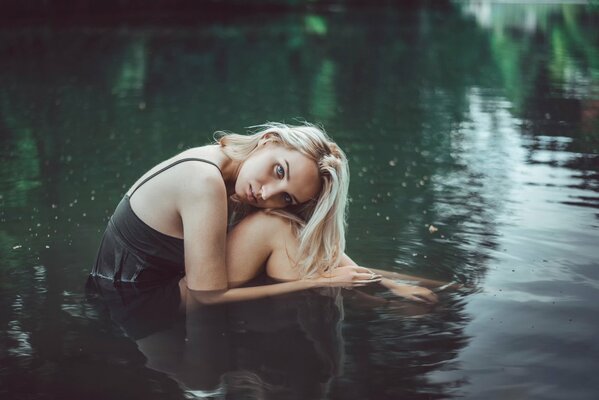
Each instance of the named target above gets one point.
<point>172,165</point>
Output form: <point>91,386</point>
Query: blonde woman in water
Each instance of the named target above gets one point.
<point>288,186</point>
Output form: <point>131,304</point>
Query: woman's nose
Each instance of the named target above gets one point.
<point>265,193</point>
<point>268,191</point>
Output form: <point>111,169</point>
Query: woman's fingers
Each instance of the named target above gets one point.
<point>355,268</point>
<point>365,276</point>
<point>364,282</point>
<point>350,275</point>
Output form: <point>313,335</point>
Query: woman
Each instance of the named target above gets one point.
<point>288,183</point>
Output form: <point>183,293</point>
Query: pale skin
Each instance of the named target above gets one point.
<point>277,247</point>
<point>190,201</point>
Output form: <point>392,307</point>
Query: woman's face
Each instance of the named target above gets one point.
<point>276,177</point>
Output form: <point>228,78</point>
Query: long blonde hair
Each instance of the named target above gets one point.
<point>319,223</point>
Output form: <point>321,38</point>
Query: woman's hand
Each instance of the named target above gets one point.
<point>350,275</point>
<point>414,293</point>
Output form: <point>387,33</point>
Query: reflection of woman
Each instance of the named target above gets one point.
<point>289,184</point>
<point>234,349</point>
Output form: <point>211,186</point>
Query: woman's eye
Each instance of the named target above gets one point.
<point>280,171</point>
<point>287,198</point>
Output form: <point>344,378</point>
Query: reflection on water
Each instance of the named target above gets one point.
<point>284,347</point>
<point>479,118</point>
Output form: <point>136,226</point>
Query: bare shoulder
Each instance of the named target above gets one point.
<point>273,229</point>
<point>267,222</point>
<point>282,238</point>
<point>261,239</point>
<point>200,180</point>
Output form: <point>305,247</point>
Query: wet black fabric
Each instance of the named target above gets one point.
<point>133,252</point>
<point>139,310</point>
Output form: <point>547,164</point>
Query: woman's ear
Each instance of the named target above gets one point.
<point>268,137</point>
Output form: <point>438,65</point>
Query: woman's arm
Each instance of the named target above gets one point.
<point>202,206</point>
<point>215,263</point>
<point>250,293</point>
<point>342,276</point>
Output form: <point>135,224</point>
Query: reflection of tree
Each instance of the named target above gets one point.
<point>517,69</point>
<point>21,168</point>
<point>554,90</point>
<point>555,59</point>
<point>408,104</point>
<point>132,76</point>
<point>323,97</point>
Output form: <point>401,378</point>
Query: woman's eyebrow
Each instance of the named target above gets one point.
<point>287,163</point>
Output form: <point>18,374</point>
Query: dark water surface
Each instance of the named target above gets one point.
<point>480,119</point>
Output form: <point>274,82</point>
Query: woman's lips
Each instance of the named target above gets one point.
<point>251,196</point>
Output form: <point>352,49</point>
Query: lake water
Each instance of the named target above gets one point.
<point>481,119</point>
